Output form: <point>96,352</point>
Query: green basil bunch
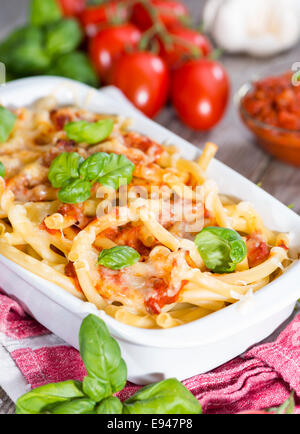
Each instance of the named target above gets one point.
<point>75,176</point>
<point>76,66</point>
<point>7,123</point>
<point>23,52</point>
<point>62,37</point>
<point>118,257</point>
<point>44,12</point>
<point>47,45</point>
<point>221,249</point>
<point>107,374</point>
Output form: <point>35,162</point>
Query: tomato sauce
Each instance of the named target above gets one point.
<point>111,284</point>
<point>148,146</point>
<point>127,235</point>
<point>160,297</point>
<point>75,212</point>
<point>258,250</point>
<point>44,227</point>
<point>60,118</point>
<point>275,101</point>
<point>70,272</point>
<point>57,149</point>
<point>283,246</point>
<point>271,110</point>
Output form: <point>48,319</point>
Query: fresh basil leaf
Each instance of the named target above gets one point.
<point>118,171</point>
<point>95,388</point>
<point>111,170</point>
<point>39,400</point>
<point>221,249</point>
<point>44,12</point>
<point>166,397</point>
<point>76,66</point>
<point>2,170</point>
<point>75,406</point>
<point>89,132</point>
<point>94,166</point>
<point>118,257</point>
<point>64,168</point>
<point>288,407</point>
<point>62,37</point>
<point>101,356</point>
<point>7,123</point>
<point>23,52</point>
<point>76,191</point>
<point>111,405</point>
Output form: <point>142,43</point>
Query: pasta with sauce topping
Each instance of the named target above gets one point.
<point>121,221</point>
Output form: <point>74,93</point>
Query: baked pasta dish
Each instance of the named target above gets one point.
<point>123,222</point>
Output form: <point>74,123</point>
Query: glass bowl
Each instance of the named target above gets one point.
<point>282,143</point>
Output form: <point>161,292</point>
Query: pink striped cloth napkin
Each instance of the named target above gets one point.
<point>261,378</point>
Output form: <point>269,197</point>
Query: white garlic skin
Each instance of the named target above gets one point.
<point>257,27</point>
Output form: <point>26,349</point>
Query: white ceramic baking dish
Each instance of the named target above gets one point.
<point>182,352</point>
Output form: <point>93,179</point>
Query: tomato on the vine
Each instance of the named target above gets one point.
<point>183,42</point>
<point>144,79</point>
<point>109,44</point>
<point>94,16</point>
<point>170,12</point>
<point>200,91</point>
<point>72,8</point>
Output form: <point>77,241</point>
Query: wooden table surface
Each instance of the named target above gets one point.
<point>237,147</point>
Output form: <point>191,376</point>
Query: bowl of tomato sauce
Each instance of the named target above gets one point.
<point>270,109</point>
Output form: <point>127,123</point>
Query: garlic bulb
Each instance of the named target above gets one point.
<point>257,27</point>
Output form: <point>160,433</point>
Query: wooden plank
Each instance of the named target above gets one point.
<point>283,182</point>
<point>6,405</point>
<point>13,13</point>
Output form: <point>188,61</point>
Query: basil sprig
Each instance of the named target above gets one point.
<point>221,249</point>
<point>76,406</point>
<point>62,37</point>
<point>89,132</point>
<point>107,374</point>
<point>47,44</point>
<point>7,123</point>
<point>39,400</point>
<point>175,397</point>
<point>111,405</point>
<point>75,176</point>
<point>75,65</point>
<point>75,191</point>
<point>118,257</point>
<point>64,168</point>
<point>2,169</point>
<point>44,12</point>
<point>111,170</point>
<point>101,355</point>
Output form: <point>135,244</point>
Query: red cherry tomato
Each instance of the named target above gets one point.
<point>109,44</point>
<point>144,79</point>
<point>169,12</point>
<point>72,8</point>
<point>185,41</point>
<point>94,16</point>
<point>200,91</point>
